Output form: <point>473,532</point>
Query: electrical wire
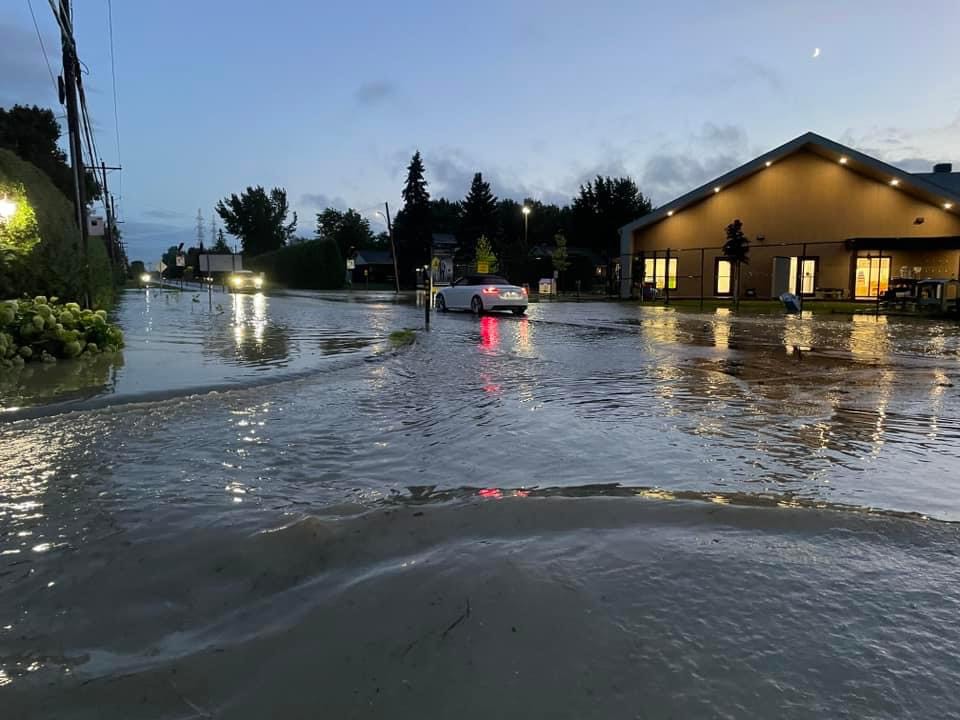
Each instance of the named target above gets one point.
<point>116,112</point>
<point>43,49</point>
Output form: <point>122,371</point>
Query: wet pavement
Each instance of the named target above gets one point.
<point>600,510</point>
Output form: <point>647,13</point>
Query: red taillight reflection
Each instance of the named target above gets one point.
<point>490,493</point>
<point>490,291</point>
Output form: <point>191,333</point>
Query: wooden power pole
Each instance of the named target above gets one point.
<point>69,91</point>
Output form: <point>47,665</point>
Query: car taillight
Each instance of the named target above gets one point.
<point>524,290</point>
<point>490,291</point>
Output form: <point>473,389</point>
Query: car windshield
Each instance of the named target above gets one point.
<point>486,280</point>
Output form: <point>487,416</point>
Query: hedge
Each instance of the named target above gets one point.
<point>40,246</point>
<point>312,265</point>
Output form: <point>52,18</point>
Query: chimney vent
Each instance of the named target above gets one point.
<point>943,168</point>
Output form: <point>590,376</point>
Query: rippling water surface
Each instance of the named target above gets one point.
<point>597,511</point>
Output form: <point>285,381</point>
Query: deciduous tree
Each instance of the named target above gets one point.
<point>259,219</point>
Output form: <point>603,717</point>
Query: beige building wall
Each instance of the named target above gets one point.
<point>803,198</point>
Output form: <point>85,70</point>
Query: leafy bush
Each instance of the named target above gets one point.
<point>40,246</point>
<point>42,329</point>
<point>313,265</point>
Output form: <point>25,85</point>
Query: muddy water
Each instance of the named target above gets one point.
<point>599,511</point>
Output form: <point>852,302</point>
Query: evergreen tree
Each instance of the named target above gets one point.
<point>412,228</point>
<point>737,250</point>
<point>478,216</point>
<point>601,208</point>
<point>220,247</point>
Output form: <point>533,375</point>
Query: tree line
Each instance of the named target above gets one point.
<point>590,223</point>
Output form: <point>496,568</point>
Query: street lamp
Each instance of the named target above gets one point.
<point>526,217</point>
<point>7,208</point>
<point>393,246</point>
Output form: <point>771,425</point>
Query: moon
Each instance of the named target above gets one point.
<point>816,52</point>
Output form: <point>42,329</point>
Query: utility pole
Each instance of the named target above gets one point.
<point>69,78</point>
<point>393,249</point>
<point>213,229</point>
<point>106,206</point>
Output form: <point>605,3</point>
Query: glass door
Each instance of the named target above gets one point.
<point>873,277</point>
<point>808,277</point>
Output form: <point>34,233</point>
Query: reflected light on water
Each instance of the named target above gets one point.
<point>868,336</point>
<point>489,333</point>
<point>721,328</point>
<point>797,333</point>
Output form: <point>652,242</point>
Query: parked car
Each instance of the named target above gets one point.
<point>482,293</point>
<point>244,280</point>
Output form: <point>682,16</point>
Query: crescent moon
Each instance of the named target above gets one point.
<point>816,52</point>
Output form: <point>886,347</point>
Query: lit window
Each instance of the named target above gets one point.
<point>654,270</point>
<point>873,276</point>
<point>724,277</point>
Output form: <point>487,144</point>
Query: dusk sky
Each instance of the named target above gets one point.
<point>330,99</point>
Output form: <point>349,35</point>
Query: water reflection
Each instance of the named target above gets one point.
<point>868,337</point>
<point>721,328</point>
<point>83,377</point>
<point>252,338</point>
<point>489,333</point>
<point>798,333</point>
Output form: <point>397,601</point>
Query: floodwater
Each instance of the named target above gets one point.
<point>600,510</point>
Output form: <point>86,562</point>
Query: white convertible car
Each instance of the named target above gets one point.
<point>481,293</point>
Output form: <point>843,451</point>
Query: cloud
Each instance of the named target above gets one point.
<point>161,214</point>
<point>147,241</point>
<point>320,201</point>
<point>713,151</point>
<point>912,149</point>
<point>746,69</point>
<point>374,92</point>
<point>22,67</point>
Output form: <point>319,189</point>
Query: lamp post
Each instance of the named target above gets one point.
<point>7,208</point>
<point>393,246</point>
<point>526,218</point>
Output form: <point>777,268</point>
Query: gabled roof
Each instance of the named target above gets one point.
<point>374,257</point>
<point>915,185</point>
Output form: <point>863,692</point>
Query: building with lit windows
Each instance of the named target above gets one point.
<point>822,219</point>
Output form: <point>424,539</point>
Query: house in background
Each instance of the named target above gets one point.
<point>372,266</point>
<point>821,217</point>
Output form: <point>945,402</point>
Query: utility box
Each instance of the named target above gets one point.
<point>95,226</point>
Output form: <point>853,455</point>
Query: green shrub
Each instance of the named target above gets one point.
<point>40,246</point>
<point>43,329</point>
<point>313,265</point>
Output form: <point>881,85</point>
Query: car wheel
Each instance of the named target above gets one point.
<point>519,311</point>
<point>441,304</point>
<point>476,305</point>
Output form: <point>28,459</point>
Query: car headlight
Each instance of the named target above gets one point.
<point>236,281</point>
<point>258,282</point>
<point>145,277</point>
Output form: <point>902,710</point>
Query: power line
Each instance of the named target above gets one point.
<point>116,113</point>
<point>56,88</point>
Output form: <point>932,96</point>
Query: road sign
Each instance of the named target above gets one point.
<point>351,264</point>
<point>161,266</point>
<point>181,260</point>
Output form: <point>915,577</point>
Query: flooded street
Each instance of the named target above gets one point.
<point>599,510</point>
